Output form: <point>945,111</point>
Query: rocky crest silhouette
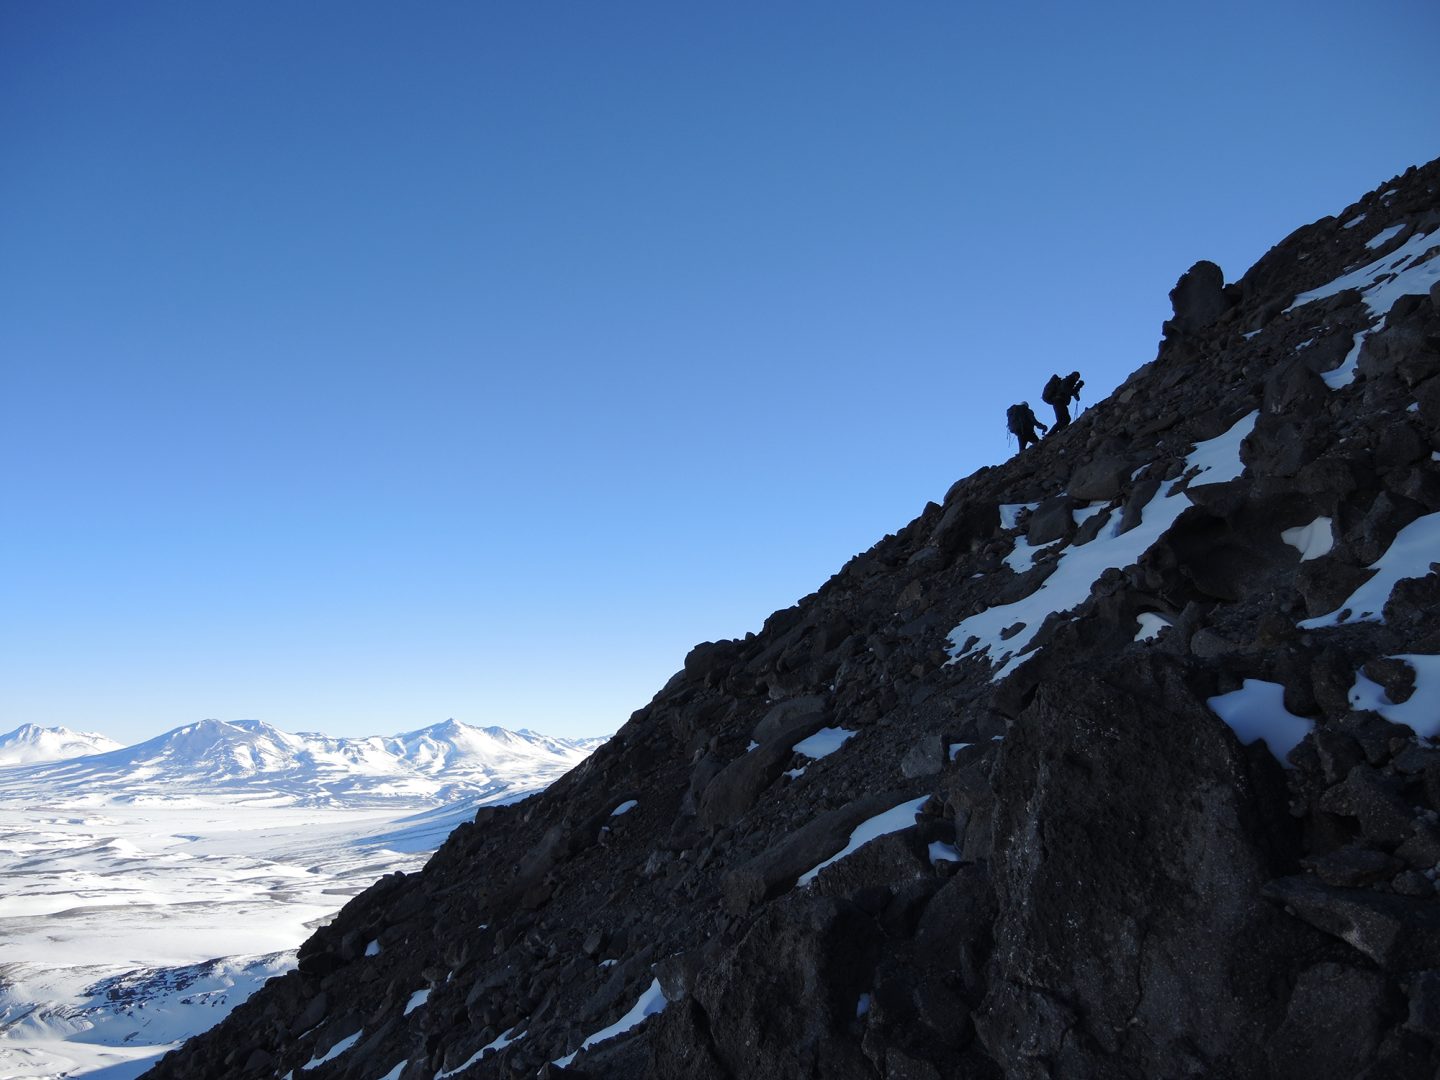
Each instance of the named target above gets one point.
<point>1041,701</point>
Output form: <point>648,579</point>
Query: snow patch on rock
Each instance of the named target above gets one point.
<point>1257,711</point>
<point>1078,568</point>
<point>1420,712</point>
<point>1412,554</point>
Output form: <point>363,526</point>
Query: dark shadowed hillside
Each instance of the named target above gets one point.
<point>1114,764</point>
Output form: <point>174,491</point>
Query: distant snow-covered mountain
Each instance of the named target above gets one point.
<point>30,744</point>
<point>254,761</point>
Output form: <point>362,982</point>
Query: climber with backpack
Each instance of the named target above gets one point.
<point>1059,392</point>
<point>1022,423</point>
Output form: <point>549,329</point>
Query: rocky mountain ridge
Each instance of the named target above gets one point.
<point>1112,764</point>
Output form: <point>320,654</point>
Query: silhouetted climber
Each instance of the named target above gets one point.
<point>1022,423</point>
<point>1059,393</point>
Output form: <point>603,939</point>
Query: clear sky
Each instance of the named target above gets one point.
<point>368,364</point>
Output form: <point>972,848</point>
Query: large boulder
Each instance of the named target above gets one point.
<point>1129,852</point>
<point>1198,298</point>
<point>1102,477</point>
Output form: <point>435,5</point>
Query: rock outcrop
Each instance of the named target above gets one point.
<point>1114,764</point>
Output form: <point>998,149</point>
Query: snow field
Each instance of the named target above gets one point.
<point>142,897</point>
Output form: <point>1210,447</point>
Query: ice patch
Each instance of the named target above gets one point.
<point>335,1051</point>
<point>823,742</point>
<point>943,852</point>
<point>1151,623</point>
<point>394,1074</point>
<point>651,1002</point>
<point>753,746</point>
<point>1311,540</point>
<point>1353,221</point>
<point>862,1006</point>
<point>418,998</point>
<point>1010,513</point>
<point>1420,712</point>
<point>1257,711</point>
<point>1384,236</point>
<point>795,774</point>
<point>1253,333</point>
<point>1410,555</point>
<point>1079,567</point>
<point>892,820</point>
<point>373,949</point>
<point>625,807</point>
<point>956,747</point>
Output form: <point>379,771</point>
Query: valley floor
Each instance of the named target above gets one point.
<point>126,926</point>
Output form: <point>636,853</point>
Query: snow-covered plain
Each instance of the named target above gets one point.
<point>147,891</point>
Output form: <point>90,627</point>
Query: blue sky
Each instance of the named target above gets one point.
<point>368,364</point>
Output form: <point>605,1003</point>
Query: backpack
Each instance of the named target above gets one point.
<point>1015,420</point>
<point>1054,392</point>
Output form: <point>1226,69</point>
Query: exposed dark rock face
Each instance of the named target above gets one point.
<point>1077,867</point>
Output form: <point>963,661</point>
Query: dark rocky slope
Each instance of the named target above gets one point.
<point>1138,893</point>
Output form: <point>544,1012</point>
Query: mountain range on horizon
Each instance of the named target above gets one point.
<point>250,759</point>
<point>149,888</point>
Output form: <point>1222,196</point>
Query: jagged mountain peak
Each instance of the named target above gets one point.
<point>1111,763</point>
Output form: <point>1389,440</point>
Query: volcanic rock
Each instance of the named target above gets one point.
<point>1160,805</point>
